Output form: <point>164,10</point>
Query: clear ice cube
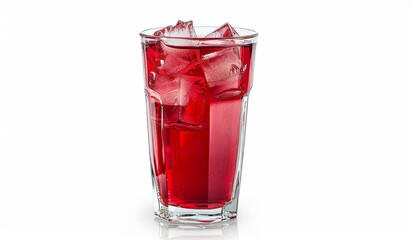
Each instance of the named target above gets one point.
<point>179,34</point>
<point>226,30</point>
<point>182,98</point>
<point>181,29</point>
<point>222,70</point>
<point>178,60</point>
<point>222,67</point>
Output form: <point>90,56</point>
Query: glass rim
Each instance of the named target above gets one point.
<point>149,33</point>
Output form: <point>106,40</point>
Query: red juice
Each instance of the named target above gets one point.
<point>195,96</point>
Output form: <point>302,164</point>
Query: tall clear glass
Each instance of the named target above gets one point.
<point>197,98</point>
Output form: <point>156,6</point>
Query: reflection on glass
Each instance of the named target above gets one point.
<point>217,231</point>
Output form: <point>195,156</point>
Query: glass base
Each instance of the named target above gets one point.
<point>171,230</point>
<point>188,215</point>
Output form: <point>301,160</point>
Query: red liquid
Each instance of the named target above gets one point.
<point>194,98</point>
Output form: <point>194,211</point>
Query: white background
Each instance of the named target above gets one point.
<point>328,148</point>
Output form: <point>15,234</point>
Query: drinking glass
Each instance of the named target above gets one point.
<point>197,99</point>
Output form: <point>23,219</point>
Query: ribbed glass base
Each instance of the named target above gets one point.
<point>171,230</point>
<point>188,215</point>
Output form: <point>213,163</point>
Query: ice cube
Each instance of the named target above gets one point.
<point>222,66</point>
<point>179,34</point>
<point>222,70</point>
<point>178,60</point>
<point>182,98</point>
<point>164,59</point>
<point>181,29</point>
<point>226,30</point>
<point>172,91</point>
